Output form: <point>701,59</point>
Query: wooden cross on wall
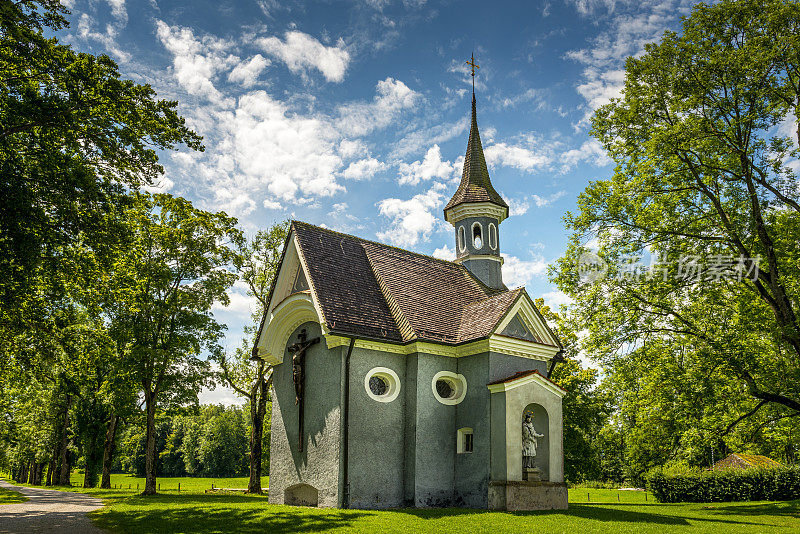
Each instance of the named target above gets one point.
<point>298,352</point>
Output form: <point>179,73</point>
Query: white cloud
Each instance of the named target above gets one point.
<point>301,52</point>
<point>517,156</point>
<point>517,272</point>
<point>240,303</point>
<point>361,118</point>
<point>517,206</point>
<point>543,202</point>
<point>590,151</point>
<point>411,220</point>
<point>534,95</point>
<point>588,7</point>
<point>555,299</point>
<point>247,73</point>
<point>445,253</point>
<point>350,148</point>
<point>363,169</point>
<point>108,38</point>
<point>433,134</point>
<point>196,61</point>
<point>431,166</point>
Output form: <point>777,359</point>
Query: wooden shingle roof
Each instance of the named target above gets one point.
<point>374,290</point>
<point>475,186</point>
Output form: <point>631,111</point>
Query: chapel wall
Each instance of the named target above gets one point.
<point>472,468</point>
<point>376,434</point>
<point>503,365</point>
<point>434,471</point>
<point>318,464</point>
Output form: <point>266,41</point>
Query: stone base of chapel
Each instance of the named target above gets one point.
<point>522,496</point>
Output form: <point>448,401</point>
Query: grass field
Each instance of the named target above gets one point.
<point>193,510</point>
<point>8,496</point>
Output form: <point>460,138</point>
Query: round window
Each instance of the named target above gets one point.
<point>378,385</point>
<point>445,388</point>
<point>449,388</point>
<point>382,384</point>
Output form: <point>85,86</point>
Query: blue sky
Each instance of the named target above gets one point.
<point>353,114</point>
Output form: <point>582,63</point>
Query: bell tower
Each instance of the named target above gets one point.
<point>476,211</point>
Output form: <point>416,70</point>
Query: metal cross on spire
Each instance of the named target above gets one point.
<point>473,66</point>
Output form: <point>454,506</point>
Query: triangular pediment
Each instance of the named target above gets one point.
<point>517,328</point>
<point>524,321</point>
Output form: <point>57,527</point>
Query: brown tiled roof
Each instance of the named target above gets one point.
<point>745,461</point>
<point>475,186</point>
<point>522,374</point>
<point>375,290</point>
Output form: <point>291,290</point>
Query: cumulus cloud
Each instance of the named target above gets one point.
<point>431,166</point>
<point>517,156</point>
<point>196,61</point>
<point>247,73</point>
<point>445,253</point>
<point>411,220</point>
<point>363,169</point>
<point>432,134</point>
<point>302,52</point>
<point>517,206</point>
<point>517,272</point>
<point>542,202</point>
<point>590,151</point>
<point>361,118</point>
<point>88,30</point>
<point>557,298</point>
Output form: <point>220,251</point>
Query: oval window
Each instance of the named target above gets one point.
<point>449,388</point>
<point>493,236</point>
<point>462,240</point>
<point>477,236</point>
<point>382,384</point>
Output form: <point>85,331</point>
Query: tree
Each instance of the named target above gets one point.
<point>165,284</point>
<point>73,136</point>
<point>257,262</point>
<point>703,137</point>
<point>586,407</point>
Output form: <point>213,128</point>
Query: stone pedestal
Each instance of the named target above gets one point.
<point>526,495</point>
<point>532,474</point>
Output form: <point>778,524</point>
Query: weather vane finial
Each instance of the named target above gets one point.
<point>473,66</point>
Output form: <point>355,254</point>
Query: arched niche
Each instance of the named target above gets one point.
<point>301,495</point>
<point>541,423</point>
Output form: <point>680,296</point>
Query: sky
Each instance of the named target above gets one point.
<point>353,114</point>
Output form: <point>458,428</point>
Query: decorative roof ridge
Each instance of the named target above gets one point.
<point>378,243</point>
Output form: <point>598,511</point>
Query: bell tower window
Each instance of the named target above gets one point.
<point>492,236</point>
<point>462,239</point>
<point>477,236</point>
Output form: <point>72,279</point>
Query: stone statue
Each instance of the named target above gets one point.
<point>529,442</point>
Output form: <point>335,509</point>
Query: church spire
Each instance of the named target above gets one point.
<point>476,211</point>
<point>476,186</point>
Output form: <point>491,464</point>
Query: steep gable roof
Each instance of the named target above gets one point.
<point>374,290</point>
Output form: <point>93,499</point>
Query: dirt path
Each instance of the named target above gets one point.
<point>48,511</point>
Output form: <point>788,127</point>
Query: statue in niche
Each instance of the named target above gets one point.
<point>529,442</point>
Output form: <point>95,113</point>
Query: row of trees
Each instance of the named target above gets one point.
<point>106,291</point>
<point>692,310</point>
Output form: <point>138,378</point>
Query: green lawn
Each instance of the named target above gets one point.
<point>8,496</point>
<point>193,510</point>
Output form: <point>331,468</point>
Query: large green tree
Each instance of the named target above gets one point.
<point>257,261</point>
<point>73,136</point>
<point>705,142</point>
<point>165,283</point>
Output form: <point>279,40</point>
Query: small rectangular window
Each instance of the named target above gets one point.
<point>464,440</point>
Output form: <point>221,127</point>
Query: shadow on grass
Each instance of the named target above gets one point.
<point>218,514</point>
<point>610,513</point>
<point>788,508</point>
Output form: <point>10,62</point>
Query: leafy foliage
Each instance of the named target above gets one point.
<point>730,485</point>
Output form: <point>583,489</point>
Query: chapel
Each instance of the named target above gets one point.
<point>403,380</point>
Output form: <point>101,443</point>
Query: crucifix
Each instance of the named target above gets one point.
<point>473,66</point>
<point>298,352</point>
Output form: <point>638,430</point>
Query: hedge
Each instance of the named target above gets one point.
<point>780,484</point>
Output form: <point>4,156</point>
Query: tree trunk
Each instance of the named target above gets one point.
<point>64,472</point>
<point>108,451</point>
<point>150,447</point>
<point>258,408</point>
<point>51,469</point>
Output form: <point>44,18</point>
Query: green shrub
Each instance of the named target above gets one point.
<point>780,484</point>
